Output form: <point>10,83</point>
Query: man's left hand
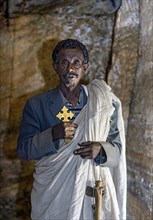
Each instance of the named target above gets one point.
<point>88,150</point>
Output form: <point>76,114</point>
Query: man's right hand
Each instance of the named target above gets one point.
<point>64,130</point>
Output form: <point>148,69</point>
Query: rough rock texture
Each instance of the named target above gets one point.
<point>13,8</point>
<point>120,48</point>
<point>27,45</point>
<point>140,124</point>
<point>125,54</point>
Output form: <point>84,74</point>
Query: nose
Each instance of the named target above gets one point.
<point>70,67</point>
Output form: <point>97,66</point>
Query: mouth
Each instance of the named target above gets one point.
<point>70,76</point>
<point>70,79</point>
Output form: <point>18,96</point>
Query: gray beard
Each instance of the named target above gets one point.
<point>70,84</point>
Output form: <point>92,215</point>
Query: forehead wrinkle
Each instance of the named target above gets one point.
<point>70,54</point>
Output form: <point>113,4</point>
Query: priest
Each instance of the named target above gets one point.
<point>75,135</point>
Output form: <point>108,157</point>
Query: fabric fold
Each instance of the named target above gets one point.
<point>60,180</point>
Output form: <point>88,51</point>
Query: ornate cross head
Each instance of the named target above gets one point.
<point>65,114</point>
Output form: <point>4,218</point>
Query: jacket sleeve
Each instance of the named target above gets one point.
<point>33,143</point>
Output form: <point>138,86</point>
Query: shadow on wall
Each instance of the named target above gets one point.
<point>17,184</point>
<point>50,78</point>
<point>45,63</point>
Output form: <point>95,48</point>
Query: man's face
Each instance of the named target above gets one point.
<point>71,67</point>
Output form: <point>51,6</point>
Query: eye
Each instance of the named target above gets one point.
<point>65,63</point>
<point>77,63</point>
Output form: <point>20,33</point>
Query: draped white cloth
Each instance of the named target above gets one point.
<point>60,180</point>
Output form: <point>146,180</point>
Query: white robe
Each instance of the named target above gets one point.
<point>60,180</point>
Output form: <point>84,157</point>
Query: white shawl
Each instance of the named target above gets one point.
<point>60,180</point>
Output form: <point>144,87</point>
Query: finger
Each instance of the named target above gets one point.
<point>70,124</point>
<point>74,125</point>
<point>69,131</point>
<point>69,134</point>
<point>69,137</point>
<point>86,156</point>
<point>85,143</point>
<point>77,152</point>
<point>83,151</point>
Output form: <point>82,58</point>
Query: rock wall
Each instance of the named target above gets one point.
<point>27,45</point>
<point>140,123</point>
<point>120,51</point>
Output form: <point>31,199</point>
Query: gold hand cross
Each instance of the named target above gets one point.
<point>65,115</point>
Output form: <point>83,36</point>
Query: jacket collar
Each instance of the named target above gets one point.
<point>55,101</point>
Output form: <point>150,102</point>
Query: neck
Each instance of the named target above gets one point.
<point>71,94</point>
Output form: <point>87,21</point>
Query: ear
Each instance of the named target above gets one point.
<point>86,66</point>
<point>54,65</point>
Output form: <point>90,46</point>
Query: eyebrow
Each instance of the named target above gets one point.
<point>73,58</point>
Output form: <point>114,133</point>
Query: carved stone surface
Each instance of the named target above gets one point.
<point>120,49</point>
